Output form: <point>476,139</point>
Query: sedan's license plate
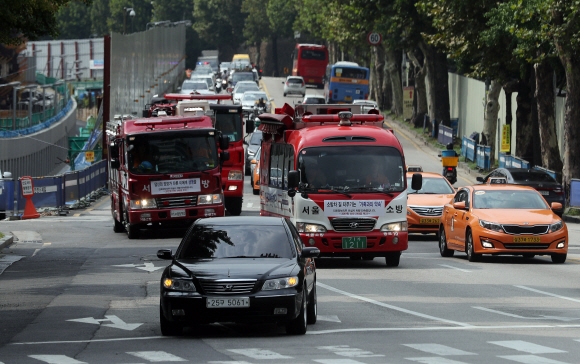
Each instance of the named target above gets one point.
<point>177,213</point>
<point>429,221</point>
<point>545,193</point>
<point>227,302</point>
<point>354,242</point>
<point>526,239</point>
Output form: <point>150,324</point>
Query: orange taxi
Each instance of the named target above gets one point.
<point>255,180</point>
<point>502,219</point>
<point>424,207</point>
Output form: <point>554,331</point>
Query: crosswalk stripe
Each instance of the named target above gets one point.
<point>259,354</point>
<point>345,350</point>
<point>435,360</point>
<point>56,359</point>
<point>438,349</point>
<point>526,347</point>
<point>531,359</point>
<point>337,361</point>
<point>228,362</point>
<point>155,356</point>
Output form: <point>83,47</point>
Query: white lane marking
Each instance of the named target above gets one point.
<point>526,347</point>
<point>543,317</point>
<point>452,267</point>
<point>530,359</point>
<point>75,219</point>
<point>155,356</point>
<point>117,323</point>
<point>228,362</point>
<point>149,267</point>
<point>337,361</point>
<point>330,318</point>
<point>435,360</point>
<point>250,205</point>
<point>400,309</point>
<point>548,294</point>
<point>91,340</point>
<point>259,354</point>
<point>56,359</point>
<point>498,312</point>
<point>438,349</point>
<point>345,350</point>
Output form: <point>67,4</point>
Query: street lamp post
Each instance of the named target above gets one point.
<point>131,13</point>
<point>14,94</point>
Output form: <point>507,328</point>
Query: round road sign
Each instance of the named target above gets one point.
<point>374,38</point>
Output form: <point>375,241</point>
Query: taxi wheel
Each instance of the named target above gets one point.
<point>471,256</point>
<point>558,258</point>
<point>443,250</point>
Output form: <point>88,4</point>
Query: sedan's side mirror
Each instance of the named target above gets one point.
<point>479,179</point>
<point>164,254</point>
<point>310,252</point>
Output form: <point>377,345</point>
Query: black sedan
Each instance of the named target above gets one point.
<point>247,269</point>
<point>546,185</point>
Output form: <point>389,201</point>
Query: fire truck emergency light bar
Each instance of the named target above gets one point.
<point>335,118</point>
<point>197,97</point>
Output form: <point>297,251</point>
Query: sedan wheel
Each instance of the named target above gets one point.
<point>169,328</point>
<point>298,326</point>
<point>443,250</point>
<point>312,313</point>
<point>471,256</point>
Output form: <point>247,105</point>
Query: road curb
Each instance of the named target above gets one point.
<point>6,241</point>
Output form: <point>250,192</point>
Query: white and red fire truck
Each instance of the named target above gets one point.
<point>340,178</point>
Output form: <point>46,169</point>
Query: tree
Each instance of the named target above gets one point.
<point>99,14</point>
<point>30,19</point>
<point>281,14</point>
<point>74,21</point>
<point>257,25</point>
<point>120,21</point>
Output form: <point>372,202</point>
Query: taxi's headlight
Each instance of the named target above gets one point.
<point>179,284</point>
<point>556,226</point>
<point>395,226</point>
<point>304,227</point>
<point>280,283</point>
<point>235,176</point>
<point>209,199</point>
<point>144,203</point>
<point>493,226</point>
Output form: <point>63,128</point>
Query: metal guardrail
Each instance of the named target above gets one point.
<point>60,192</point>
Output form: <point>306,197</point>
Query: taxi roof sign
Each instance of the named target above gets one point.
<point>414,168</point>
<point>497,181</point>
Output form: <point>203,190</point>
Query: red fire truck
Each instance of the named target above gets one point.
<point>164,171</point>
<point>339,177</point>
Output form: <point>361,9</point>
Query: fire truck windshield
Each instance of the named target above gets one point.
<point>230,125</point>
<point>352,168</point>
<point>171,153</point>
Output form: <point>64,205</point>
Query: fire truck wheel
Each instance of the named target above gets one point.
<point>119,227</point>
<point>132,231</point>
<point>234,206</point>
<point>392,259</point>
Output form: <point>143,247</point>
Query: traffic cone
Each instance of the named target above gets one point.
<point>29,210</point>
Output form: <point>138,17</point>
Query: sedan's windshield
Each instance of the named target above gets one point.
<point>246,87</point>
<point>431,186</point>
<point>171,153</point>
<point>252,96</point>
<point>352,168</point>
<point>236,241</point>
<point>256,138</point>
<point>508,199</point>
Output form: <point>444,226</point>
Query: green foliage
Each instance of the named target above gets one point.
<point>219,22</point>
<point>74,21</point>
<point>281,14</point>
<point>257,25</point>
<point>120,20</point>
<point>99,14</point>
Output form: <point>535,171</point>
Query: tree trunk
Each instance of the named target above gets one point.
<point>545,97</point>
<point>387,88</point>
<point>275,54</point>
<point>438,79</point>
<point>393,64</point>
<point>524,132</point>
<point>420,89</point>
<point>378,54</point>
<point>490,118</point>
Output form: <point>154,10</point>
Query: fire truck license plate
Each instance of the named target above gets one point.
<point>227,302</point>
<point>354,242</point>
<point>429,221</point>
<point>177,213</point>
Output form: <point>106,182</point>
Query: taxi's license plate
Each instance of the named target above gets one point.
<point>354,242</point>
<point>214,302</point>
<point>526,239</point>
<point>429,221</point>
<point>177,213</point>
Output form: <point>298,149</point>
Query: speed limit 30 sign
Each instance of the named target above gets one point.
<point>374,38</point>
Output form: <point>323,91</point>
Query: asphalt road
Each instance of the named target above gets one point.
<point>73,291</point>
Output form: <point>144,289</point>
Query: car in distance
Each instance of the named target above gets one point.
<point>424,207</point>
<point>253,142</point>
<point>366,105</point>
<point>196,85</point>
<point>294,85</point>
<point>242,87</point>
<point>314,99</point>
<point>502,219</point>
<point>255,180</point>
<point>251,98</point>
<point>545,184</point>
<point>239,269</point>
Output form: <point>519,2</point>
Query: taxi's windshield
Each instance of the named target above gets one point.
<point>508,199</point>
<point>171,153</point>
<point>431,186</point>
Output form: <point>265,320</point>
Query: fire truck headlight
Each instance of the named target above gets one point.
<point>235,176</point>
<point>310,228</point>
<point>145,203</point>
<point>209,199</point>
<point>395,226</point>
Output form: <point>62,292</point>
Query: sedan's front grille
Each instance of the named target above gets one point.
<point>347,225</point>
<point>227,287</point>
<point>526,229</point>
<point>427,210</point>
<point>180,201</point>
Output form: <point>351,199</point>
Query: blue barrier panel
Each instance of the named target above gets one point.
<point>103,173</point>
<point>445,135</point>
<point>47,192</point>
<point>551,173</point>
<point>471,149</point>
<point>434,128</point>
<point>501,160</point>
<point>519,163</point>
<point>483,157</point>
<point>71,186</point>
<point>464,146</point>
<point>83,185</point>
<point>455,126</point>
<point>6,195</point>
<point>575,192</point>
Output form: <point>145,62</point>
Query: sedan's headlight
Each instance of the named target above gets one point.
<point>395,226</point>
<point>280,283</point>
<point>556,226</point>
<point>310,228</point>
<point>493,226</point>
<point>235,175</point>
<point>145,203</point>
<point>251,152</point>
<point>179,284</point>
<point>209,199</point>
